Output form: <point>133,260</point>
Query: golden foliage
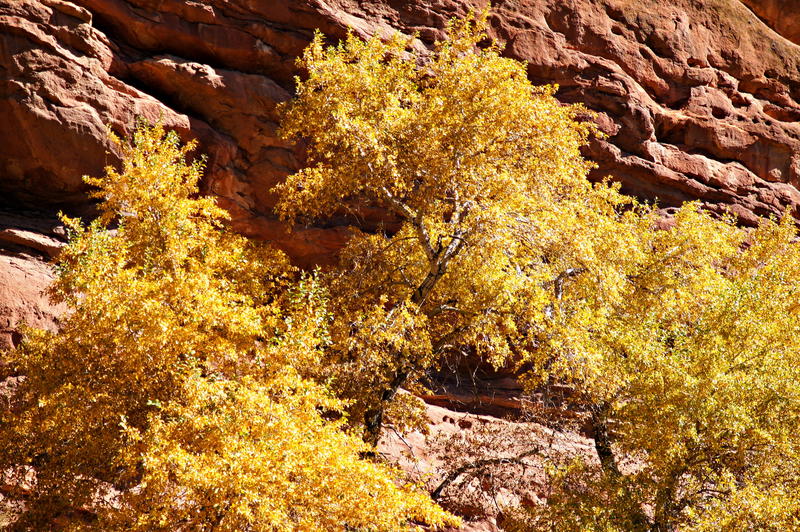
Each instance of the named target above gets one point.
<point>484,172</point>
<point>195,386</point>
<point>693,371</point>
<point>171,397</point>
<point>681,345</point>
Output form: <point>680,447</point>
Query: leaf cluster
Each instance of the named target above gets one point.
<point>484,172</point>
<point>680,344</point>
<point>173,396</point>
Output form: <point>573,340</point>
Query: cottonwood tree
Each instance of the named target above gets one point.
<point>688,379</point>
<point>691,378</point>
<point>679,344</point>
<point>483,173</point>
<point>171,399</point>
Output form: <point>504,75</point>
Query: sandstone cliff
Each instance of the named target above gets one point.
<point>699,99</point>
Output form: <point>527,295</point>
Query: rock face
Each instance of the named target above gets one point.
<point>469,443</point>
<point>783,16</point>
<point>22,281</point>
<point>27,241</point>
<point>699,100</point>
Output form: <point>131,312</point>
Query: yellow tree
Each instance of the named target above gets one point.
<point>171,398</point>
<point>482,171</point>
<point>688,378</point>
<point>679,345</point>
<point>691,376</point>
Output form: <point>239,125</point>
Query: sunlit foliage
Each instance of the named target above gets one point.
<point>483,172</point>
<point>196,384</point>
<point>170,399</point>
<point>691,376</point>
<point>680,345</point>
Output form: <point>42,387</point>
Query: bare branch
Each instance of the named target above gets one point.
<point>453,476</point>
<point>415,218</point>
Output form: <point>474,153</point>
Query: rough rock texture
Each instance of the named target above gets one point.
<point>482,491</point>
<point>783,16</point>
<point>698,99</point>
<point>26,243</point>
<point>22,279</point>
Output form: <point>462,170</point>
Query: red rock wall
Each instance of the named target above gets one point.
<point>699,99</point>
<point>783,16</point>
<point>27,242</point>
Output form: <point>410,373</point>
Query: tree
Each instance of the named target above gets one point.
<point>680,345</point>
<point>688,379</point>
<point>483,173</point>
<point>171,399</point>
<point>691,380</point>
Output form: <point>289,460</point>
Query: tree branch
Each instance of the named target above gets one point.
<point>453,476</point>
<point>415,218</point>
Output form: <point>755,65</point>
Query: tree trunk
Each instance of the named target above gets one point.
<point>373,418</point>
<point>608,462</point>
<point>602,442</point>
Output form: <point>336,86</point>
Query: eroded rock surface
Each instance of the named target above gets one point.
<point>699,99</point>
<point>477,465</point>
<point>783,16</point>
<point>27,242</point>
<point>22,281</point>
